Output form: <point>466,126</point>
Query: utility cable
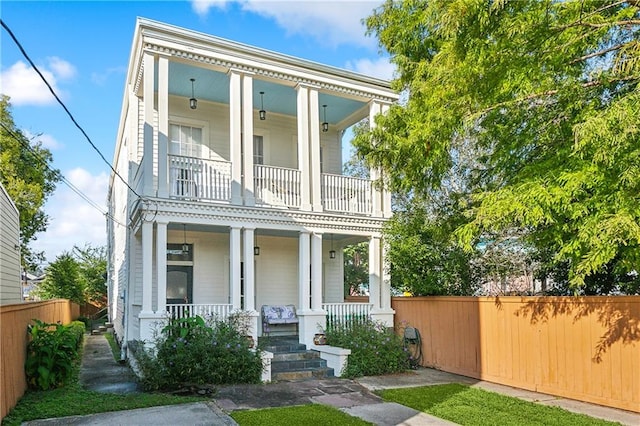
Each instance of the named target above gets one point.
<point>24,53</point>
<point>64,180</point>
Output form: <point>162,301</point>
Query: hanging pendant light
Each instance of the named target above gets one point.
<point>193,102</point>
<point>263,113</point>
<point>325,124</point>
<point>256,248</point>
<point>185,246</point>
<point>332,252</point>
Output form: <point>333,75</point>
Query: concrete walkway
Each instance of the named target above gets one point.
<point>101,373</point>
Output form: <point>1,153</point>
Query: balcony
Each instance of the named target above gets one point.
<point>210,180</point>
<point>198,179</point>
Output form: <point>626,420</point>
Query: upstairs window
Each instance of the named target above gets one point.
<point>258,149</point>
<point>185,140</point>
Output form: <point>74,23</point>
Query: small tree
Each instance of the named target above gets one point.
<point>92,264</point>
<point>63,280</point>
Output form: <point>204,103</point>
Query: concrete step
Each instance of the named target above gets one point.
<point>295,356</point>
<point>299,365</point>
<point>316,373</point>
<point>108,324</point>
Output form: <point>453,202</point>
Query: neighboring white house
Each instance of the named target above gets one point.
<point>234,195</point>
<point>10,286</point>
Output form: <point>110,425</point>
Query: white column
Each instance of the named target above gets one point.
<point>148,87</point>
<point>147,266</point>
<point>314,127</point>
<point>235,136</point>
<point>386,194</point>
<point>304,277</point>
<point>316,272</point>
<point>374,272</point>
<point>247,136</point>
<point>234,267</point>
<point>161,265</point>
<point>163,126</point>
<point>303,145</point>
<point>374,172</point>
<point>249,270</point>
<point>385,273</point>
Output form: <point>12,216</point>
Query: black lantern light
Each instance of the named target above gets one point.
<point>263,113</point>
<point>332,252</point>
<point>193,102</point>
<point>325,124</point>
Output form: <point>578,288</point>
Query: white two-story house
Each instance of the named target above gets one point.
<point>229,192</point>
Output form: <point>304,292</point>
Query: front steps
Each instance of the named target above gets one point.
<point>292,361</point>
<point>101,329</point>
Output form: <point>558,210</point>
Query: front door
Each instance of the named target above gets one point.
<point>179,284</point>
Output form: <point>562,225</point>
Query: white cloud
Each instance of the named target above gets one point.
<point>25,87</point>
<point>330,22</point>
<point>61,68</point>
<point>380,68</point>
<point>47,141</point>
<point>72,220</point>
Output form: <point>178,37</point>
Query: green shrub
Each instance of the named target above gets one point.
<point>374,349</point>
<point>52,352</point>
<point>189,351</point>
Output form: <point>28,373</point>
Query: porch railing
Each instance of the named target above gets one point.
<point>346,194</point>
<point>215,311</point>
<point>346,314</point>
<point>277,186</point>
<point>199,179</point>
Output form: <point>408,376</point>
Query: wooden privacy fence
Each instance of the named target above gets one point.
<point>583,348</point>
<point>14,320</point>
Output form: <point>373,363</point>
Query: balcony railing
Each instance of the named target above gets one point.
<point>199,179</point>
<point>346,314</point>
<point>346,194</point>
<point>218,312</point>
<point>277,186</point>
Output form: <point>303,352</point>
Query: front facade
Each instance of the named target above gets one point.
<point>229,193</point>
<point>10,291</point>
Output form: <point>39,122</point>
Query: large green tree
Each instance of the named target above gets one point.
<point>63,280</point>
<point>29,178</point>
<point>548,93</point>
<point>92,264</point>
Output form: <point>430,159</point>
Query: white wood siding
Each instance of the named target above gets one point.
<point>10,288</point>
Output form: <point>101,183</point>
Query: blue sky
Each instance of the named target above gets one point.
<point>82,48</point>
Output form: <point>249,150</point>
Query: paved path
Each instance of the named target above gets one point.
<point>102,373</point>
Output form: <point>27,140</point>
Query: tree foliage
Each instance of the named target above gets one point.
<point>63,280</point>
<point>548,94</point>
<point>27,175</point>
<point>79,275</point>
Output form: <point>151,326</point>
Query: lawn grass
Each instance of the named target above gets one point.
<point>72,400</point>
<point>115,349</point>
<point>471,406</point>
<point>314,414</point>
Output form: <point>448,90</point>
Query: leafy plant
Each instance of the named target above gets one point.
<point>375,350</point>
<point>188,351</point>
<point>52,353</point>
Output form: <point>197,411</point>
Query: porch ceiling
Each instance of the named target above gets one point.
<point>338,238</point>
<point>213,86</point>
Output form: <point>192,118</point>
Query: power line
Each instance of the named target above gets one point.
<point>64,180</point>
<point>24,53</point>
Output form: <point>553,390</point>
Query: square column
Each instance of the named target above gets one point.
<point>386,313</point>
<point>374,272</point>
<point>147,265</point>
<point>247,136</point>
<point>304,276</point>
<point>148,87</point>
<point>234,267</point>
<point>235,136</point>
<point>316,272</point>
<point>161,265</point>
<point>314,123</point>
<point>303,145</point>
<point>386,193</point>
<point>374,172</point>
<point>163,127</point>
<point>249,271</point>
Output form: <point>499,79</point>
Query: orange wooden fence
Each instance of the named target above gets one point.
<point>583,348</point>
<point>13,342</point>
